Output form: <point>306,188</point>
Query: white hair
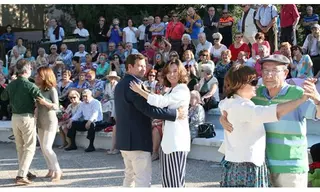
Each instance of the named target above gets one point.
<point>187,36</point>
<point>217,35</point>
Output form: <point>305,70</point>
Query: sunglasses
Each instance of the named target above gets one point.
<point>254,82</point>
<point>173,55</point>
<point>242,6</point>
<point>72,98</point>
<point>215,39</point>
<point>145,20</point>
<point>225,13</point>
<point>204,55</point>
<point>116,58</point>
<point>151,75</point>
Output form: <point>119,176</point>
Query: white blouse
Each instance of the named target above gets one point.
<point>176,134</point>
<point>247,141</point>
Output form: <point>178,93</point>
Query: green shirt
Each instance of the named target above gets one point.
<point>286,139</point>
<point>22,94</point>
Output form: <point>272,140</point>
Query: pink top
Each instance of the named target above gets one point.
<point>255,47</point>
<point>257,67</point>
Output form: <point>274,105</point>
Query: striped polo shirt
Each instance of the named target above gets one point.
<point>286,148</point>
<point>313,17</point>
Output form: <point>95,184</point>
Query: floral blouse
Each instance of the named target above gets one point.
<point>97,86</point>
<point>221,69</point>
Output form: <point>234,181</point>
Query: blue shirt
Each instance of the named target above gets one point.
<point>313,17</point>
<point>67,58</point>
<point>8,44</point>
<point>52,36</point>
<point>195,29</point>
<point>115,37</point>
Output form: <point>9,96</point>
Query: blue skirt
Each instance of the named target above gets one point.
<point>244,174</point>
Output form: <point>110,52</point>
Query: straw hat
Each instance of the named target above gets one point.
<point>114,75</point>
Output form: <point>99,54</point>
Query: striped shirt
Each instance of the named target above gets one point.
<point>313,17</point>
<point>286,149</point>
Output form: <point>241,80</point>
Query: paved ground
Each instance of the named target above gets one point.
<point>96,169</point>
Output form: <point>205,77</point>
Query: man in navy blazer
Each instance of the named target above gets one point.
<point>134,130</point>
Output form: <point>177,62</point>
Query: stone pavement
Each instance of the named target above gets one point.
<point>96,169</point>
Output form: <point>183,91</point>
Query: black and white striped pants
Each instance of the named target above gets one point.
<point>173,168</point>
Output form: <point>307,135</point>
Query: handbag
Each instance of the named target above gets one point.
<point>206,130</point>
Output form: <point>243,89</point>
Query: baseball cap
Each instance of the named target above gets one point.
<point>315,26</point>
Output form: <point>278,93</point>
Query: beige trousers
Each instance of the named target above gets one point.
<point>24,130</point>
<point>138,168</point>
<point>296,180</point>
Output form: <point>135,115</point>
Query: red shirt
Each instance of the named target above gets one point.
<point>235,51</point>
<point>289,13</point>
<point>174,31</point>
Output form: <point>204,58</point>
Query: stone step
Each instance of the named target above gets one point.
<point>201,148</point>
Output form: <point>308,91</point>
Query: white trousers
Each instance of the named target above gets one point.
<point>296,180</point>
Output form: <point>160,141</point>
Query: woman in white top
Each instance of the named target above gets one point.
<point>217,47</point>
<point>244,148</point>
<point>130,34</point>
<point>175,143</point>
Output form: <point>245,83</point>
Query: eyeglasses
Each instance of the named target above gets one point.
<point>238,37</point>
<point>152,75</point>
<point>145,20</point>
<point>204,55</point>
<point>225,13</point>
<point>173,55</point>
<point>147,46</point>
<point>242,6</point>
<point>72,98</point>
<point>254,82</point>
<point>84,96</point>
<point>215,39</point>
<point>273,72</point>
<point>116,58</point>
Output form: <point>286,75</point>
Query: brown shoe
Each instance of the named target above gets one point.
<point>31,176</point>
<point>49,174</point>
<point>23,181</point>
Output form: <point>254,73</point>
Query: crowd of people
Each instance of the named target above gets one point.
<point>150,85</point>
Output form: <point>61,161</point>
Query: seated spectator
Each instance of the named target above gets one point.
<point>314,171</point>
<point>81,53</point>
<point>310,48</point>
<point>63,88</point>
<point>192,77</point>
<point>238,46</point>
<point>130,34</point>
<point>130,50</point>
<point>117,65</point>
<point>217,47</point>
<point>188,60</point>
<point>160,88</point>
<point>205,59</point>
<point>121,49</point>
<point>20,48</point>
<point>82,83</point>
<point>186,45</point>
<point>42,59</point>
<point>148,52</point>
<point>103,66</point>
<point>161,45</point>
<point>77,68</point>
<point>72,108</point>
<point>158,61</point>
<point>241,59</point>
<point>53,54</point>
<point>208,88</point>
<point>28,56</point>
<point>302,64</point>
<point>88,65</point>
<point>96,86</point>
<point>90,110</point>
<point>57,67</point>
<point>111,50</point>
<point>260,40</point>
<point>5,113</point>
<point>80,30</point>
<point>262,52</point>
<point>222,67</point>
<point>15,57</point>
<point>108,109</point>
<point>94,52</point>
<point>150,84</point>
<point>173,55</point>
<point>66,56</point>
<point>197,114</point>
<point>203,44</point>
<point>3,69</point>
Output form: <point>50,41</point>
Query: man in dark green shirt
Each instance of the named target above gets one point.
<point>23,95</point>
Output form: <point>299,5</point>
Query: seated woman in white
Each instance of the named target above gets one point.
<point>175,143</point>
<point>244,148</point>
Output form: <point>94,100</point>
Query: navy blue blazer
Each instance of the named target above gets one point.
<point>133,117</point>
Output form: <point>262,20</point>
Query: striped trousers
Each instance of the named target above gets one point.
<point>173,168</point>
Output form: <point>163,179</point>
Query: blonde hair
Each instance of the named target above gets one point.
<point>196,94</point>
